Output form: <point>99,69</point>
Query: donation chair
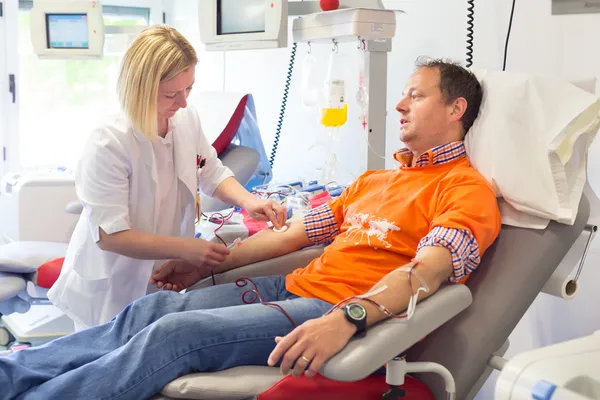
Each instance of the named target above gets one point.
<point>463,326</point>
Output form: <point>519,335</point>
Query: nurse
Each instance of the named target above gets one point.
<point>138,180</point>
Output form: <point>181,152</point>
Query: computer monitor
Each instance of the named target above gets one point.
<point>67,29</point>
<point>243,24</point>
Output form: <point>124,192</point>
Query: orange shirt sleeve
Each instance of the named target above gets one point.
<point>469,203</point>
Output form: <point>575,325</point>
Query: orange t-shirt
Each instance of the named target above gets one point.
<point>383,217</point>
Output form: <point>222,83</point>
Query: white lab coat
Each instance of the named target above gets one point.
<point>116,183</point>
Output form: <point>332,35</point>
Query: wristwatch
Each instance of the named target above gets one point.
<point>357,316</point>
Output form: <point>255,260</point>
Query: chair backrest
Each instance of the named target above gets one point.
<point>512,273</point>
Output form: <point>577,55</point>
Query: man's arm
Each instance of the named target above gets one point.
<point>434,267</point>
<point>319,339</point>
<point>318,227</point>
<point>265,245</point>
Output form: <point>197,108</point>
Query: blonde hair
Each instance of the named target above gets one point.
<point>158,54</point>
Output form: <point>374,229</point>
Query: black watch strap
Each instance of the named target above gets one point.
<point>356,314</point>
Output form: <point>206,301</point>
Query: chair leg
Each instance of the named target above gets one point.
<point>394,376</point>
<point>397,368</point>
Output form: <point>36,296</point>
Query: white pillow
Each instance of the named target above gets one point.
<point>25,257</point>
<point>531,141</point>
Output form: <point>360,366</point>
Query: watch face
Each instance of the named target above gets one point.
<point>356,311</point>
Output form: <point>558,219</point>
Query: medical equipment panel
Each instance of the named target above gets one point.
<point>67,29</point>
<point>345,25</point>
<point>243,24</point>
<point>32,207</point>
<point>568,370</point>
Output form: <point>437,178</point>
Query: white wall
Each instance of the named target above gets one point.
<point>540,43</point>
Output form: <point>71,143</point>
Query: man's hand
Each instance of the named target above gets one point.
<point>313,342</point>
<point>177,275</point>
<point>267,210</point>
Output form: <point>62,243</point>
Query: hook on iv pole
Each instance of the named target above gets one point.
<point>361,45</point>
<point>309,48</point>
<point>335,46</point>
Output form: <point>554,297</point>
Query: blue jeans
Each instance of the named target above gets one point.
<point>157,339</point>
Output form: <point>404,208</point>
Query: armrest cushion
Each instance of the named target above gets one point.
<point>384,341</point>
<point>27,256</point>
<point>275,266</point>
<point>11,285</point>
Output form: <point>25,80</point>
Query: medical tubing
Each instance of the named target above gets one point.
<point>286,91</point>
<point>470,19</point>
<point>241,282</point>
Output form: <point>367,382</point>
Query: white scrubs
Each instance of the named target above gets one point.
<point>168,193</point>
<point>127,181</point>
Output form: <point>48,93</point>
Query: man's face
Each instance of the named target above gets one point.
<point>424,117</point>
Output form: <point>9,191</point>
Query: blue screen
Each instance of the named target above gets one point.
<point>67,31</point>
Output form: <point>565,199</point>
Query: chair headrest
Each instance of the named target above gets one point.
<point>220,114</point>
<point>530,141</point>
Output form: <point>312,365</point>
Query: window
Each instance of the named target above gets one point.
<point>4,85</point>
<point>61,101</point>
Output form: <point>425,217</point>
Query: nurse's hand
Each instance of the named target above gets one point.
<point>267,210</point>
<point>203,253</point>
<point>177,275</point>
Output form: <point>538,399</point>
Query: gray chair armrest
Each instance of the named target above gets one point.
<point>275,266</point>
<point>361,357</point>
<point>11,285</point>
<point>243,162</point>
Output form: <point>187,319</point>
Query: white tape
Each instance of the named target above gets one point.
<point>373,292</point>
<point>412,302</point>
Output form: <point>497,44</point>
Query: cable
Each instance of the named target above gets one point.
<point>512,12</point>
<point>286,91</point>
<point>470,19</point>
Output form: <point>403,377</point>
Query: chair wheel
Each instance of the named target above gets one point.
<point>5,337</point>
<point>395,393</point>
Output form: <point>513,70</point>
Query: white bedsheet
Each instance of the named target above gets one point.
<point>531,142</point>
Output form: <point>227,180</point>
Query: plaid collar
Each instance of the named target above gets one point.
<point>435,156</point>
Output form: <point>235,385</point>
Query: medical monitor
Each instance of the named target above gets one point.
<point>243,24</point>
<point>67,29</point>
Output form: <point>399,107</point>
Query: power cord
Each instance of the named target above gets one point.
<point>512,12</point>
<point>286,91</point>
<point>470,19</point>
